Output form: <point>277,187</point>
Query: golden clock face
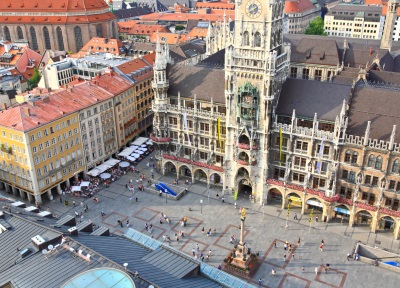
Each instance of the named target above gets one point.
<point>253,9</point>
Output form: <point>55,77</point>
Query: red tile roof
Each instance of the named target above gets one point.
<point>135,28</point>
<point>384,10</point>
<point>97,45</point>
<point>57,19</point>
<point>181,17</point>
<point>298,6</point>
<point>169,38</point>
<point>215,5</point>
<point>138,69</point>
<point>47,106</point>
<point>112,82</point>
<point>51,5</point>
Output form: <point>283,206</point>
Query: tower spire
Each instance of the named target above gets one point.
<point>391,16</point>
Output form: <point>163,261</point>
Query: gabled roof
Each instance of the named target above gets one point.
<point>298,6</point>
<point>310,97</point>
<point>137,69</point>
<point>132,12</point>
<point>52,6</point>
<point>324,51</point>
<point>136,28</point>
<point>378,104</point>
<point>204,82</point>
<point>97,45</point>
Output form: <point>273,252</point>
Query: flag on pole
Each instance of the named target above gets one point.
<point>280,147</point>
<point>219,132</point>
<point>320,153</point>
<point>185,124</point>
<point>309,220</point>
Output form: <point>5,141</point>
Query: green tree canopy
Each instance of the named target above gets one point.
<point>34,81</point>
<point>316,27</point>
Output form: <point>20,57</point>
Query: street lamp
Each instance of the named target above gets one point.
<point>166,198</point>
<point>201,205</point>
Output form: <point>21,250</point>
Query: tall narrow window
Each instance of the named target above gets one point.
<point>99,31</point>
<point>46,35</point>
<point>257,39</point>
<point>246,39</point>
<point>34,39</point>
<point>19,33</point>
<point>78,38</point>
<point>60,39</point>
<point>7,35</point>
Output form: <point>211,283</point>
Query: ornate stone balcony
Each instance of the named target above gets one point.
<point>160,139</point>
<point>246,146</point>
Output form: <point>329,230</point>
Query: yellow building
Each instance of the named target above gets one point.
<point>41,146</point>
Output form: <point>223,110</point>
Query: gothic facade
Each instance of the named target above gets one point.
<point>253,126</point>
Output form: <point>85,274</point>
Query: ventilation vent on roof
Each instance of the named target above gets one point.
<point>322,57</point>
<point>308,54</point>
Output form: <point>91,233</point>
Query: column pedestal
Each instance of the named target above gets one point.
<point>22,194</point>
<point>30,197</point>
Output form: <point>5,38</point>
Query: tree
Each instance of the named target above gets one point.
<point>34,81</point>
<point>316,27</point>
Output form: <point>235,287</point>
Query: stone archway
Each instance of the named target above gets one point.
<point>245,187</point>
<point>185,171</point>
<point>275,197</point>
<point>200,175</point>
<point>294,199</point>
<point>341,214</point>
<point>169,167</point>
<point>363,218</point>
<point>314,204</point>
<point>386,224</point>
<point>215,179</point>
<point>243,139</point>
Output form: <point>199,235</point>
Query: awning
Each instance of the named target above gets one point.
<point>94,172</point>
<point>139,141</point>
<point>314,203</point>
<point>85,184</point>
<point>126,152</point>
<point>112,162</point>
<point>149,142</point>
<point>341,210</point>
<point>76,188</point>
<point>103,167</point>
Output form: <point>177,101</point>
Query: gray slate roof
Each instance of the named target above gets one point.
<point>324,51</point>
<point>205,82</point>
<point>384,77</point>
<point>378,105</point>
<point>35,270</point>
<point>309,97</point>
<point>158,266</point>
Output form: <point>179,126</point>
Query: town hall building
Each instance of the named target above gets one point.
<point>306,120</point>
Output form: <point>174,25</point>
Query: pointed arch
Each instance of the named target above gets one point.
<point>78,38</point>
<point>19,33</point>
<point>46,36</point>
<point>7,34</point>
<point>99,31</point>
<point>60,39</point>
<point>257,39</point>
<point>34,38</point>
<point>246,38</point>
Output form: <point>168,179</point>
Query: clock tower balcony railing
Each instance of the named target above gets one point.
<point>160,139</point>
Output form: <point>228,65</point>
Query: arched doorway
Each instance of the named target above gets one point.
<point>242,173</point>
<point>274,197</point>
<point>185,171</point>
<point>243,139</point>
<point>243,156</point>
<point>169,167</point>
<point>341,214</point>
<point>363,218</point>
<point>387,224</point>
<point>245,188</point>
<point>294,199</point>
<point>314,204</point>
<point>216,179</point>
<point>200,175</point>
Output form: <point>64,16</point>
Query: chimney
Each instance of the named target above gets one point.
<point>27,111</point>
<point>3,106</point>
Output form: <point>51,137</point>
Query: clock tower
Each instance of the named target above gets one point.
<point>256,65</point>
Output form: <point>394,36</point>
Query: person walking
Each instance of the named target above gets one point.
<point>73,202</point>
<point>127,223</point>
<point>61,200</point>
<point>285,246</point>
<point>275,244</point>
<point>193,251</point>
<point>293,256</point>
<point>295,216</point>
<point>284,258</point>
<point>348,256</point>
<point>197,247</point>
<point>202,230</point>
<point>273,272</point>
<point>316,270</point>
<point>298,242</point>
<point>259,281</point>
<point>82,204</point>
<point>302,269</point>
<point>321,247</point>
<point>209,252</point>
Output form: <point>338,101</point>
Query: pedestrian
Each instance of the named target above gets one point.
<point>273,272</point>
<point>197,247</point>
<point>127,223</point>
<point>321,247</point>
<point>295,216</point>
<point>316,270</point>
<point>122,225</point>
<point>130,199</point>
<point>207,257</point>
<point>316,219</point>
<point>298,242</point>
<point>235,205</point>
<point>259,281</point>
<point>87,207</point>
<point>193,251</point>
<point>290,247</point>
<point>327,267</point>
<point>293,256</point>
<point>209,252</point>
<point>61,200</point>
<point>202,230</point>
<point>160,220</point>
<point>322,242</point>
<point>202,258</point>
<point>136,199</point>
<point>284,257</point>
<point>275,244</point>
<point>82,204</point>
<point>73,202</point>
<point>302,269</point>
<point>82,217</point>
<point>76,214</point>
<point>348,256</point>
<point>285,246</point>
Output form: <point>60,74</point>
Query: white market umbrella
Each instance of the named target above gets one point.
<point>143,145</point>
<point>85,184</point>
<point>105,175</point>
<point>124,164</point>
<point>140,152</point>
<point>149,142</point>
<point>136,155</point>
<point>143,149</point>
